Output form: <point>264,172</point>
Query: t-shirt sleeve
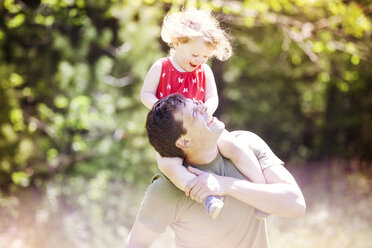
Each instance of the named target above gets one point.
<point>158,207</point>
<point>264,154</point>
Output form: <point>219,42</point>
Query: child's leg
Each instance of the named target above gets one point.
<point>244,159</point>
<point>175,171</point>
<point>180,176</point>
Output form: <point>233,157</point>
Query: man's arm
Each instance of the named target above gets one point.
<point>140,236</point>
<point>281,196</point>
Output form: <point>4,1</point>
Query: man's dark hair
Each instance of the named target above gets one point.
<point>162,129</point>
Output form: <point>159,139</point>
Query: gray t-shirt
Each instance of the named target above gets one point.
<point>235,227</point>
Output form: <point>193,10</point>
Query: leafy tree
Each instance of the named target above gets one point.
<point>71,72</point>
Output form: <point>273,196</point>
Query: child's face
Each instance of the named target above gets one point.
<point>192,54</point>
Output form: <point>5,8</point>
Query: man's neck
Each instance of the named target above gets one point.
<point>201,156</point>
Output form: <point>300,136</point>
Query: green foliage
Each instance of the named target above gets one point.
<point>69,90</point>
<point>294,76</point>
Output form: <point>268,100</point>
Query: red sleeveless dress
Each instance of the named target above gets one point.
<point>189,84</point>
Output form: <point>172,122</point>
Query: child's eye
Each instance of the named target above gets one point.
<point>194,55</point>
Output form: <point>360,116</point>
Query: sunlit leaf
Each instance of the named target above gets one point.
<point>20,178</point>
<point>16,21</point>
<point>44,111</point>
<point>52,153</point>
<point>350,75</point>
<point>8,132</point>
<point>32,127</point>
<point>27,92</point>
<point>15,80</point>
<point>296,59</point>
<point>324,77</point>
<point>61,102</point>
<point>8,3</point>
<point>343,86</point>
<point>49,2</point>
<point>44,20</point>
<point>355,60</point>
<point>80,3</point>
<point>16,115</point>
<point>318,47</point>
<point>24,151</point>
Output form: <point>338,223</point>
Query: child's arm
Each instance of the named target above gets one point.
<point>175,171</point>
<point>242,157</point>
<point>211,94</point>
<point>150,85</point>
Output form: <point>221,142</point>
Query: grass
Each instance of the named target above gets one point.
<point>338,212</point>
<point>98,213</point>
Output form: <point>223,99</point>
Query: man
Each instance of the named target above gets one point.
<point>179,126</point>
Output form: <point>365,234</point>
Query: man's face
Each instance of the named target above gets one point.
<point>200,125</point>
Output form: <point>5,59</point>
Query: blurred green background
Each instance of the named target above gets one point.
<point>74,156</point>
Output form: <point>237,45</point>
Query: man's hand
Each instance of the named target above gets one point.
<point>204,184</point>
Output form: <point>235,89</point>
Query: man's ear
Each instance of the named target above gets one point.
<point>183,143</point>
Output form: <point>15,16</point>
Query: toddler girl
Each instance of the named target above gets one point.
<point>195,36</point>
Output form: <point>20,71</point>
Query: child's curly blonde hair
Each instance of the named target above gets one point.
<point>191,23</point>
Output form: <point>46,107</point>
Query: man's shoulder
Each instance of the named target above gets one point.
<point>162,186</point>
<point>262,151</point>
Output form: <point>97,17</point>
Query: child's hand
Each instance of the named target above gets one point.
<point>198,102</point>
<point>167,161</point>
